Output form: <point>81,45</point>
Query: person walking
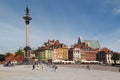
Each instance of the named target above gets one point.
<point>88,67</point>
<point>33,66</point>
<point>54,68</point>
<point>42,65</point>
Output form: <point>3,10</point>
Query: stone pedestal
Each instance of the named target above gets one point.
<point>27,59</point>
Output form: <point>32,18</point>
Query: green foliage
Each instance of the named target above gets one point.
<point>2,57</point>
<point>19,52</point>
<point>115,57</point>
<point>101,56</point>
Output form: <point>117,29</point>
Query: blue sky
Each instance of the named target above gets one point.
<point>63,20</point>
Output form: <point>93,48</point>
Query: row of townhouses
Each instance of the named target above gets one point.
<point>85,51</point>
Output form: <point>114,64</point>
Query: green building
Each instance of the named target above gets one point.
<point>43,54</point>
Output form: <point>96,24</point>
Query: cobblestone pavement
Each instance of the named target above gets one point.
<point>25,72</point>
<point>94,67</point>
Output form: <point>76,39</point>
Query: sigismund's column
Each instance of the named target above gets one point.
<point>27,48</point>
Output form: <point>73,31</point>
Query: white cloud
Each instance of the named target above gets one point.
<point>116,11</point>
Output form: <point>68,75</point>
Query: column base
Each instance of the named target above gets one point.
<point>27,61</point>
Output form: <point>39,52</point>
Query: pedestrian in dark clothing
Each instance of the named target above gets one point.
<point>88,67</point>
<point>55,68</point>
<point>33,66</point>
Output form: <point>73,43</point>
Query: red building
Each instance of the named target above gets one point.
<point>87,50</point>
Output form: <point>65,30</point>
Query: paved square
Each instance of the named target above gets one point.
<point>25,72</point>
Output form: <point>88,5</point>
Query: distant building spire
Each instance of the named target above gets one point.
<point>79,40</point>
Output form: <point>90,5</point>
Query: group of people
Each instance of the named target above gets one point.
<point>10,63</point>
<point>54,67</point>
<point>43,65</point>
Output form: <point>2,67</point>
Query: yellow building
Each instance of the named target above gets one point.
<point>60,53</point>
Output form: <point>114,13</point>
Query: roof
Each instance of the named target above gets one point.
<point>93,44</point>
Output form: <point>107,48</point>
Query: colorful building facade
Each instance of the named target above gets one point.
<point>84,50</point>
<point>44,54</point>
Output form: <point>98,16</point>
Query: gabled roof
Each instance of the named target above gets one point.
<point>93,44</point>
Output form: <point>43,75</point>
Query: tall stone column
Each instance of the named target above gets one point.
<point>27,48</point>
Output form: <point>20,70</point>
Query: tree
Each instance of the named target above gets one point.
<point>101,56</point>
<point>2,57</point>
<point>19,52</point>
<point>115,57</point>
<point>8,56</point>
<point>19,55</point>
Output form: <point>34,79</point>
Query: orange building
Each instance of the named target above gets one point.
<point>62,53</point>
